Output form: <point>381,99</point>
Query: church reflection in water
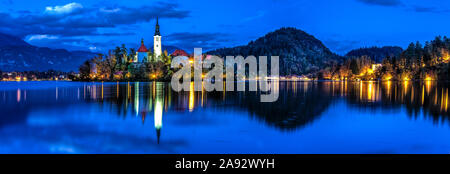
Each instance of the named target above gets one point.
<point>299,103</point>
<point>136,99</point>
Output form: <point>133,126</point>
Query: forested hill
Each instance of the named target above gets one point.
<point>299,52</point>
<point>376,54</point>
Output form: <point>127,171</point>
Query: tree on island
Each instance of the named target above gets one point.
<point>119,65</point>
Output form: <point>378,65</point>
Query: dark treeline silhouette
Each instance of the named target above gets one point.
<point>377,54</point>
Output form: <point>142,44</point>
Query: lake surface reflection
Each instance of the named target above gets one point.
<point>309,117</point>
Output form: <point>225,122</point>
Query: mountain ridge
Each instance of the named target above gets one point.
<point>18,55</point>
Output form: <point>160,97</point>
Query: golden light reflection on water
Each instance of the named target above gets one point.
<point>102,90</point>
<point>360,90</point>
<point>405,86</point>
<point>428,86</point>
<point>435,97</point>
<point>144,96</point>
<point>423,94</point>
<point>305,87</point>
<point>275,87</point>
<point>413,93</point>
<point>368,91</point>
<point>444,100</point>
<point>388,86</point>
<point>128,91</point>
<point>191,97</point>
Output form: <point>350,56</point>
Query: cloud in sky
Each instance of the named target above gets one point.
<point>110,10</point>
<point>65,9</point>
<point>41,36</point>
<point>75,20</point>
<point>406,6</point>
<point>382,2</point>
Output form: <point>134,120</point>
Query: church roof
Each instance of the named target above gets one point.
<point>142,48</point>
<point>180,53</point>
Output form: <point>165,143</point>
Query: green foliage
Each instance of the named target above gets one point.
<point>118,66</point>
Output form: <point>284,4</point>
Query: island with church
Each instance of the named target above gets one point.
<point>122,64</point>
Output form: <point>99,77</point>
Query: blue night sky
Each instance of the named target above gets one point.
<point>101,25</point>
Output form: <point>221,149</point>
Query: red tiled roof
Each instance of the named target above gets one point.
<point>180,53</point>
<point>142,48</point>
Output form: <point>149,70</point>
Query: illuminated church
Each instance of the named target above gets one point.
<point>143,54</point>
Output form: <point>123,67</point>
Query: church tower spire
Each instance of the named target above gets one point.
<point>157,28</point>
<point>157,42</point>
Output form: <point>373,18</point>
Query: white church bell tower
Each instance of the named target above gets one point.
<point>157,42</point>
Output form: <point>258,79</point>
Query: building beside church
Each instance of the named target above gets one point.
<point>179,53</point>
<point>142,53</point>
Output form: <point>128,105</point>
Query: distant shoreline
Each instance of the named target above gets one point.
<point>284,80</point>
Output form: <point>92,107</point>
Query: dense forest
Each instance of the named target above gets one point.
<point>417,62</point>
<point>299,52</point>
<point>377,54</point>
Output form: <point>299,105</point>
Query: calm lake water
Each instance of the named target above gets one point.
<point>309,117</point>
